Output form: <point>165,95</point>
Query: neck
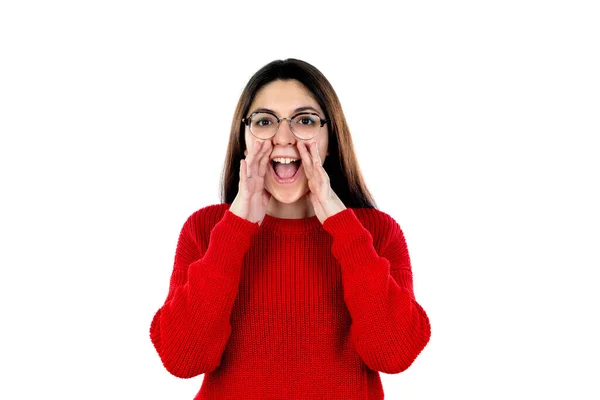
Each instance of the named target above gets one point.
<point>302,208</point>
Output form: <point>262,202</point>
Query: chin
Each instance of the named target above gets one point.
<point>288,196</point>
<point>287,199</point>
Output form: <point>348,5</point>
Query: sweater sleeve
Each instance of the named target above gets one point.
<point>190,331</point>
<point>389,328</point>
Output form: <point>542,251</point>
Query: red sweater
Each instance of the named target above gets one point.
<point>291,308</point>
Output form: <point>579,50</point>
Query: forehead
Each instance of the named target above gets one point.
<point>284,97</point>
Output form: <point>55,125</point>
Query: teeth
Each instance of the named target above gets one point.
<point>284,160</point>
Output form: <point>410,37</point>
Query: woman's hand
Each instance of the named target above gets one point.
<point>324,200</point>
<point>252,199</point>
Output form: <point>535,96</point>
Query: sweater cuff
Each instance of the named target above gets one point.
<point>341,222</point>
<point>229,242</point>
<point>352,242</point>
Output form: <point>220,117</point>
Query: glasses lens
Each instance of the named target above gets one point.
<point>263,125</point>
<point>306,126</point>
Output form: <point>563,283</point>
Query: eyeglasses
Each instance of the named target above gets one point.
<point>265,125</point>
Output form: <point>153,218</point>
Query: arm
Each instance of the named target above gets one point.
<point>190,331</point>
<point>389,328</point>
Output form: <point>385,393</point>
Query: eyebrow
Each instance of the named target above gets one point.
<point>297,110</point>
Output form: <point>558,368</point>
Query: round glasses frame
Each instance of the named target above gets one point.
<point>246,121</point>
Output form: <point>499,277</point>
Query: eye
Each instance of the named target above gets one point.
<point>263,120</point>
<point>305,119</point>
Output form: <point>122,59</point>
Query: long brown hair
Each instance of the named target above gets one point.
<point>341,164</point>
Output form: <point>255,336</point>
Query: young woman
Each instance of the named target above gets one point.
<point>296,286</point>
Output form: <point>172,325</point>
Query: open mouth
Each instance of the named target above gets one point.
<point>286,173</point>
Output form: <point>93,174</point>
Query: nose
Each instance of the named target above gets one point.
<point>284,134</point>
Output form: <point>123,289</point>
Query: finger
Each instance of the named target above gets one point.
<point>243,172</point>
<point>314,151</point>
<point>264,149</point>
<point>251,151</point>
<point>306,158</point>
<point>254,157</point>
<point>263,163</point>
<point>317,162</point>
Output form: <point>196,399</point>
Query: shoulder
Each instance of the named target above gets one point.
<point>210,214</point>
<point>381,225</point>
<point>374,219</point>
<point>201,222</point>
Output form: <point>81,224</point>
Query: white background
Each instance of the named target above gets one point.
<point>475,125</point>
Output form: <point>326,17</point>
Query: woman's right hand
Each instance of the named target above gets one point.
<point>252,198</point>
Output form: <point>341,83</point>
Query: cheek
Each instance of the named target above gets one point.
<point>323,149</point>
<point>249,144</point>
<point>323,144</point>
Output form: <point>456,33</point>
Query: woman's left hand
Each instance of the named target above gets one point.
<point>324,200</point>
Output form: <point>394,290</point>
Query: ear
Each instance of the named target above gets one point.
<point>245,152</point>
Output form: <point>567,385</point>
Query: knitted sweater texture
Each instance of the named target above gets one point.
<point>290,308</point>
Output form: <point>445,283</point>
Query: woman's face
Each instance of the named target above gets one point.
<point>284,98</point>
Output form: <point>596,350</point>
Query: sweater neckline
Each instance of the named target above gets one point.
<point>290,225</point>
